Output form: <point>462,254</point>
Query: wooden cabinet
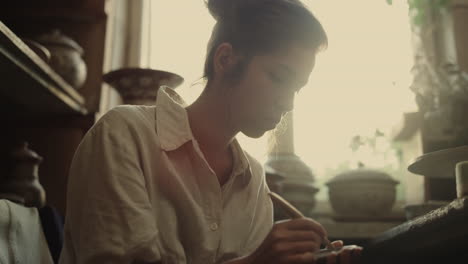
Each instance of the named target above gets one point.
<point>83,21</point>
<point>38,106</point>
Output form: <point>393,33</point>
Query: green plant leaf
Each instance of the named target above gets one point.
<point>389,2</point>
<point>443,3</point>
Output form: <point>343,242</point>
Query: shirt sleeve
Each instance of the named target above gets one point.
<point>109,215</point>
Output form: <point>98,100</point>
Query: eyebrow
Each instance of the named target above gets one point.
<point>285,67</point>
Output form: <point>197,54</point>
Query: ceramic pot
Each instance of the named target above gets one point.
<point>39,49</point>
<point>298,186</point>
<point>300,194</point>
<point>22,184</point>
<point>274,179</point>
<point>139,86</point>
<point>362,192</point>
<point>66,57</point>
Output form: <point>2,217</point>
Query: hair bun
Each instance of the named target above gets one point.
<point>223,9</point>
<point>219,8</point>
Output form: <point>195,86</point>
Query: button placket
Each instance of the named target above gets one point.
<point>214,226</point>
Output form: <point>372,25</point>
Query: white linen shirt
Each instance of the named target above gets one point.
<point>22,240</point>
<point>141,191</point>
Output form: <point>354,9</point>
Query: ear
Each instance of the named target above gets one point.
<point>224,58</point>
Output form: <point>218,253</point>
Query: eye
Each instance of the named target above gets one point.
<point>275,78</point>
<point>284,82</point>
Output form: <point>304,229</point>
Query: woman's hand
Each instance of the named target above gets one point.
<point>344,255</point>
<point>290,241</point>
<point>298,241</point>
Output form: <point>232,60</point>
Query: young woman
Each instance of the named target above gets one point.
<point>170,184</point>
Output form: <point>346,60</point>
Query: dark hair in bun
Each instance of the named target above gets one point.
<point>220,8</point>
<point>255,27</point>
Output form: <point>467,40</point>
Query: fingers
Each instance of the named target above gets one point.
<point>332,258</point>
<point>294,241</point>
<point>293,248</point>
<point>306,257</point>
<point>356,254</point>
<point>282,235</point>
<point>349,255</point>
<point>345,256</point>
<point>289,231</point>
<point>304,224</point>
<point>303,236</point>
<point>337,243</point>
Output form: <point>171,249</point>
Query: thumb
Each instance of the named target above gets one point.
<point>337,243</point>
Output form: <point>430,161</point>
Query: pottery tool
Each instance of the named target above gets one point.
<point>293,212</point>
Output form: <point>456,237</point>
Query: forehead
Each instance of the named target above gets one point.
<point>297,58</point>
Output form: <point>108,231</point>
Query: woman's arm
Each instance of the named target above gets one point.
<point>109,216</point>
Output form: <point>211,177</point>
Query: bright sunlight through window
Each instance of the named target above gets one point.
<point>360,83</point>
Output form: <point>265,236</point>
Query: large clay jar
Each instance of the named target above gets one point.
<point>274,179</point>
<point>66,57</point>
<point>139,86</point>
<point>298,185</point>
<point>362,192</point>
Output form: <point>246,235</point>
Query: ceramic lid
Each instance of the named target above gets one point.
<point>57,38</point>
<point>440,163</point>
<point>362,174</point>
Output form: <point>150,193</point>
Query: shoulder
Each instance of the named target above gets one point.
<point>124,122</point>
<point>122,133</point>
<point>128,114</point>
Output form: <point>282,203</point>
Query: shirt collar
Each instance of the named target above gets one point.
<point>172,124</point>
<point>241,162</point>
<point>173,128</point>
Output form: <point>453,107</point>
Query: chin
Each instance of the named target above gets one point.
<point>254,133</point>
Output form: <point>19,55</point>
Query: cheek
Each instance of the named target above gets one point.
<point>258,96</point>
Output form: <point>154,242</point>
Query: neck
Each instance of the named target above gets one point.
<point>211,122</point>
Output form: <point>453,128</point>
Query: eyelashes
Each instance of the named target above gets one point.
<point>275,78</point>
<point>283,83</point>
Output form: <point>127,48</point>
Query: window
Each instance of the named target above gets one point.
<point>360,84</point>
<point>179,34</point>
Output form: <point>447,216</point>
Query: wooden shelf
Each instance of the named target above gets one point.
<point>29,85</point>
<point>56,14</point>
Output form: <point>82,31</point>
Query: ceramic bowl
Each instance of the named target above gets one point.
<point>362,192</point>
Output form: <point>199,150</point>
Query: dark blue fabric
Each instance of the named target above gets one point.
<point>52,225</point>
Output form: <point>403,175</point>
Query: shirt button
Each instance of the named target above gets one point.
<point>214,226</point>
